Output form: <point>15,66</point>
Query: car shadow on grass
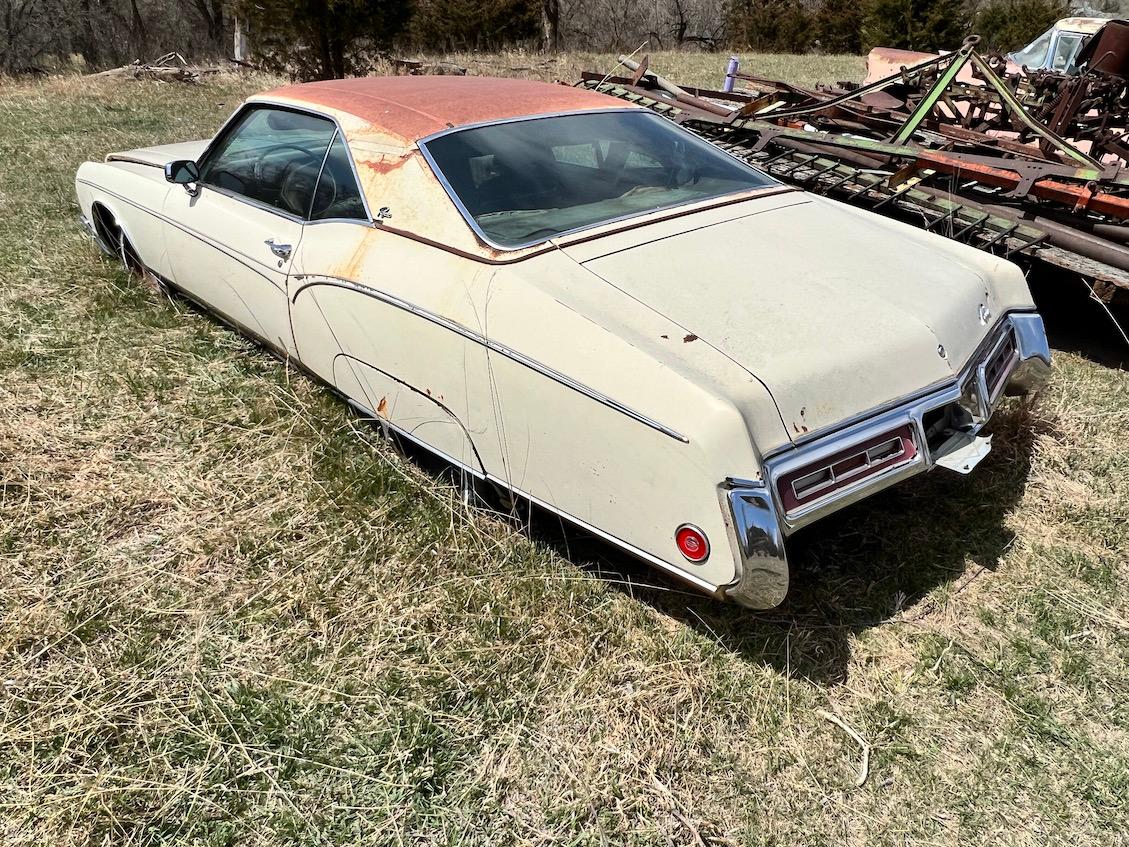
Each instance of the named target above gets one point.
<point>1078,323</point>
<point>889,556</point>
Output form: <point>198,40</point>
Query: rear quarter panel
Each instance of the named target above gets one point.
<point>596,462</point>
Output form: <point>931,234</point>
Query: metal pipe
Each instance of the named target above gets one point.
<point>1112,232</point>
<point>662,82</point>
<point>730,74</point>
<point>1060,235</point>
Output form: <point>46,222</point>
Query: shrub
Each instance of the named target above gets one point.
<point>915,24</point>
<point>771,26</point>
<point>1011,24</point>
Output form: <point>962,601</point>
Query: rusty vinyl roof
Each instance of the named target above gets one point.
<point>412,107</point>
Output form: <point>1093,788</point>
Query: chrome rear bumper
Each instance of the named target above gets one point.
<point>1015,359</point>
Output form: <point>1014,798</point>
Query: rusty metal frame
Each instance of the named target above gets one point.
<point>1034,195</point>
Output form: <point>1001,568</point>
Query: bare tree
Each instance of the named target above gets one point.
<point>550,23</point>
<point>27,32</point>
<point>625,24</point>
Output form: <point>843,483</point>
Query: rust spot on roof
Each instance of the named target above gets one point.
<point>689,337</point>
<point>383,165</point>
<point>412,107</point>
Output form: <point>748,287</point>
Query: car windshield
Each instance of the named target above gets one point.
<point>524,181</point>
<point>1035,53</point>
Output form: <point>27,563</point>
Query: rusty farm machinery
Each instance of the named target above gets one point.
<point>1033,166</point>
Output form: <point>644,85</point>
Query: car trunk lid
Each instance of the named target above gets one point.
<point>835,312</point>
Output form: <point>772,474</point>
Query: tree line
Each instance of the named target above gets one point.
<point>326,38</point>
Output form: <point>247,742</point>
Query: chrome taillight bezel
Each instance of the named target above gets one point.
<point>809,484</point>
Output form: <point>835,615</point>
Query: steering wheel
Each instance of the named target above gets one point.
<point>298,186</point>
<point>260,163</point>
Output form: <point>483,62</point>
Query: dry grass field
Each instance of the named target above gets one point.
<point>230,614</point>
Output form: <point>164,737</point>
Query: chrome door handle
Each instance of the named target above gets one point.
<point>280,250</point>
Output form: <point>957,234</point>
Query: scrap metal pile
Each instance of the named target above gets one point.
<point>1033,166</point>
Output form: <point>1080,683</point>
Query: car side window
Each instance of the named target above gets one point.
<point>337,194</point>
<point>271,156</point>
<point>1065,50</point>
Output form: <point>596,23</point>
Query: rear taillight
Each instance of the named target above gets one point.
<point>840,470</point>
<point>997,368</point>
<point>692,543</point>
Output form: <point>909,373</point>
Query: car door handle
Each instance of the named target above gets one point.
<point>280,250</point>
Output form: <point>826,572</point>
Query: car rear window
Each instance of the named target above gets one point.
<point>521,182</point>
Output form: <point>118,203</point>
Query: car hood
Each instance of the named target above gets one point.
<point>837,312</point>
<point>162,154</point>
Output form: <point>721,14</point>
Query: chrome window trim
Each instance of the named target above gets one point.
<point>367,220</point>
<point>364,223</point>
<point>256,204</point>
<point>422,143</point>
<point>286,107</point>
<point>321,170</point>
<point>451,130</point>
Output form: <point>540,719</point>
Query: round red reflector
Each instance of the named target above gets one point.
<point>692,543</point>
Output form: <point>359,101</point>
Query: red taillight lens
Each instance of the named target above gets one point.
<point>692,543</point>
<point>811,482</point>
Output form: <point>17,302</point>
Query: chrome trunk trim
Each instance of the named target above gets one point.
<point>1024,372</point>
<point>761,524</point>
<point>762,562</point>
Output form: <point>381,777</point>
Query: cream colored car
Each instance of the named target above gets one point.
<point>1057,50</point>
<point>580,302</point>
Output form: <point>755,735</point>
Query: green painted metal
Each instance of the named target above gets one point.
<point>959,60</point>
